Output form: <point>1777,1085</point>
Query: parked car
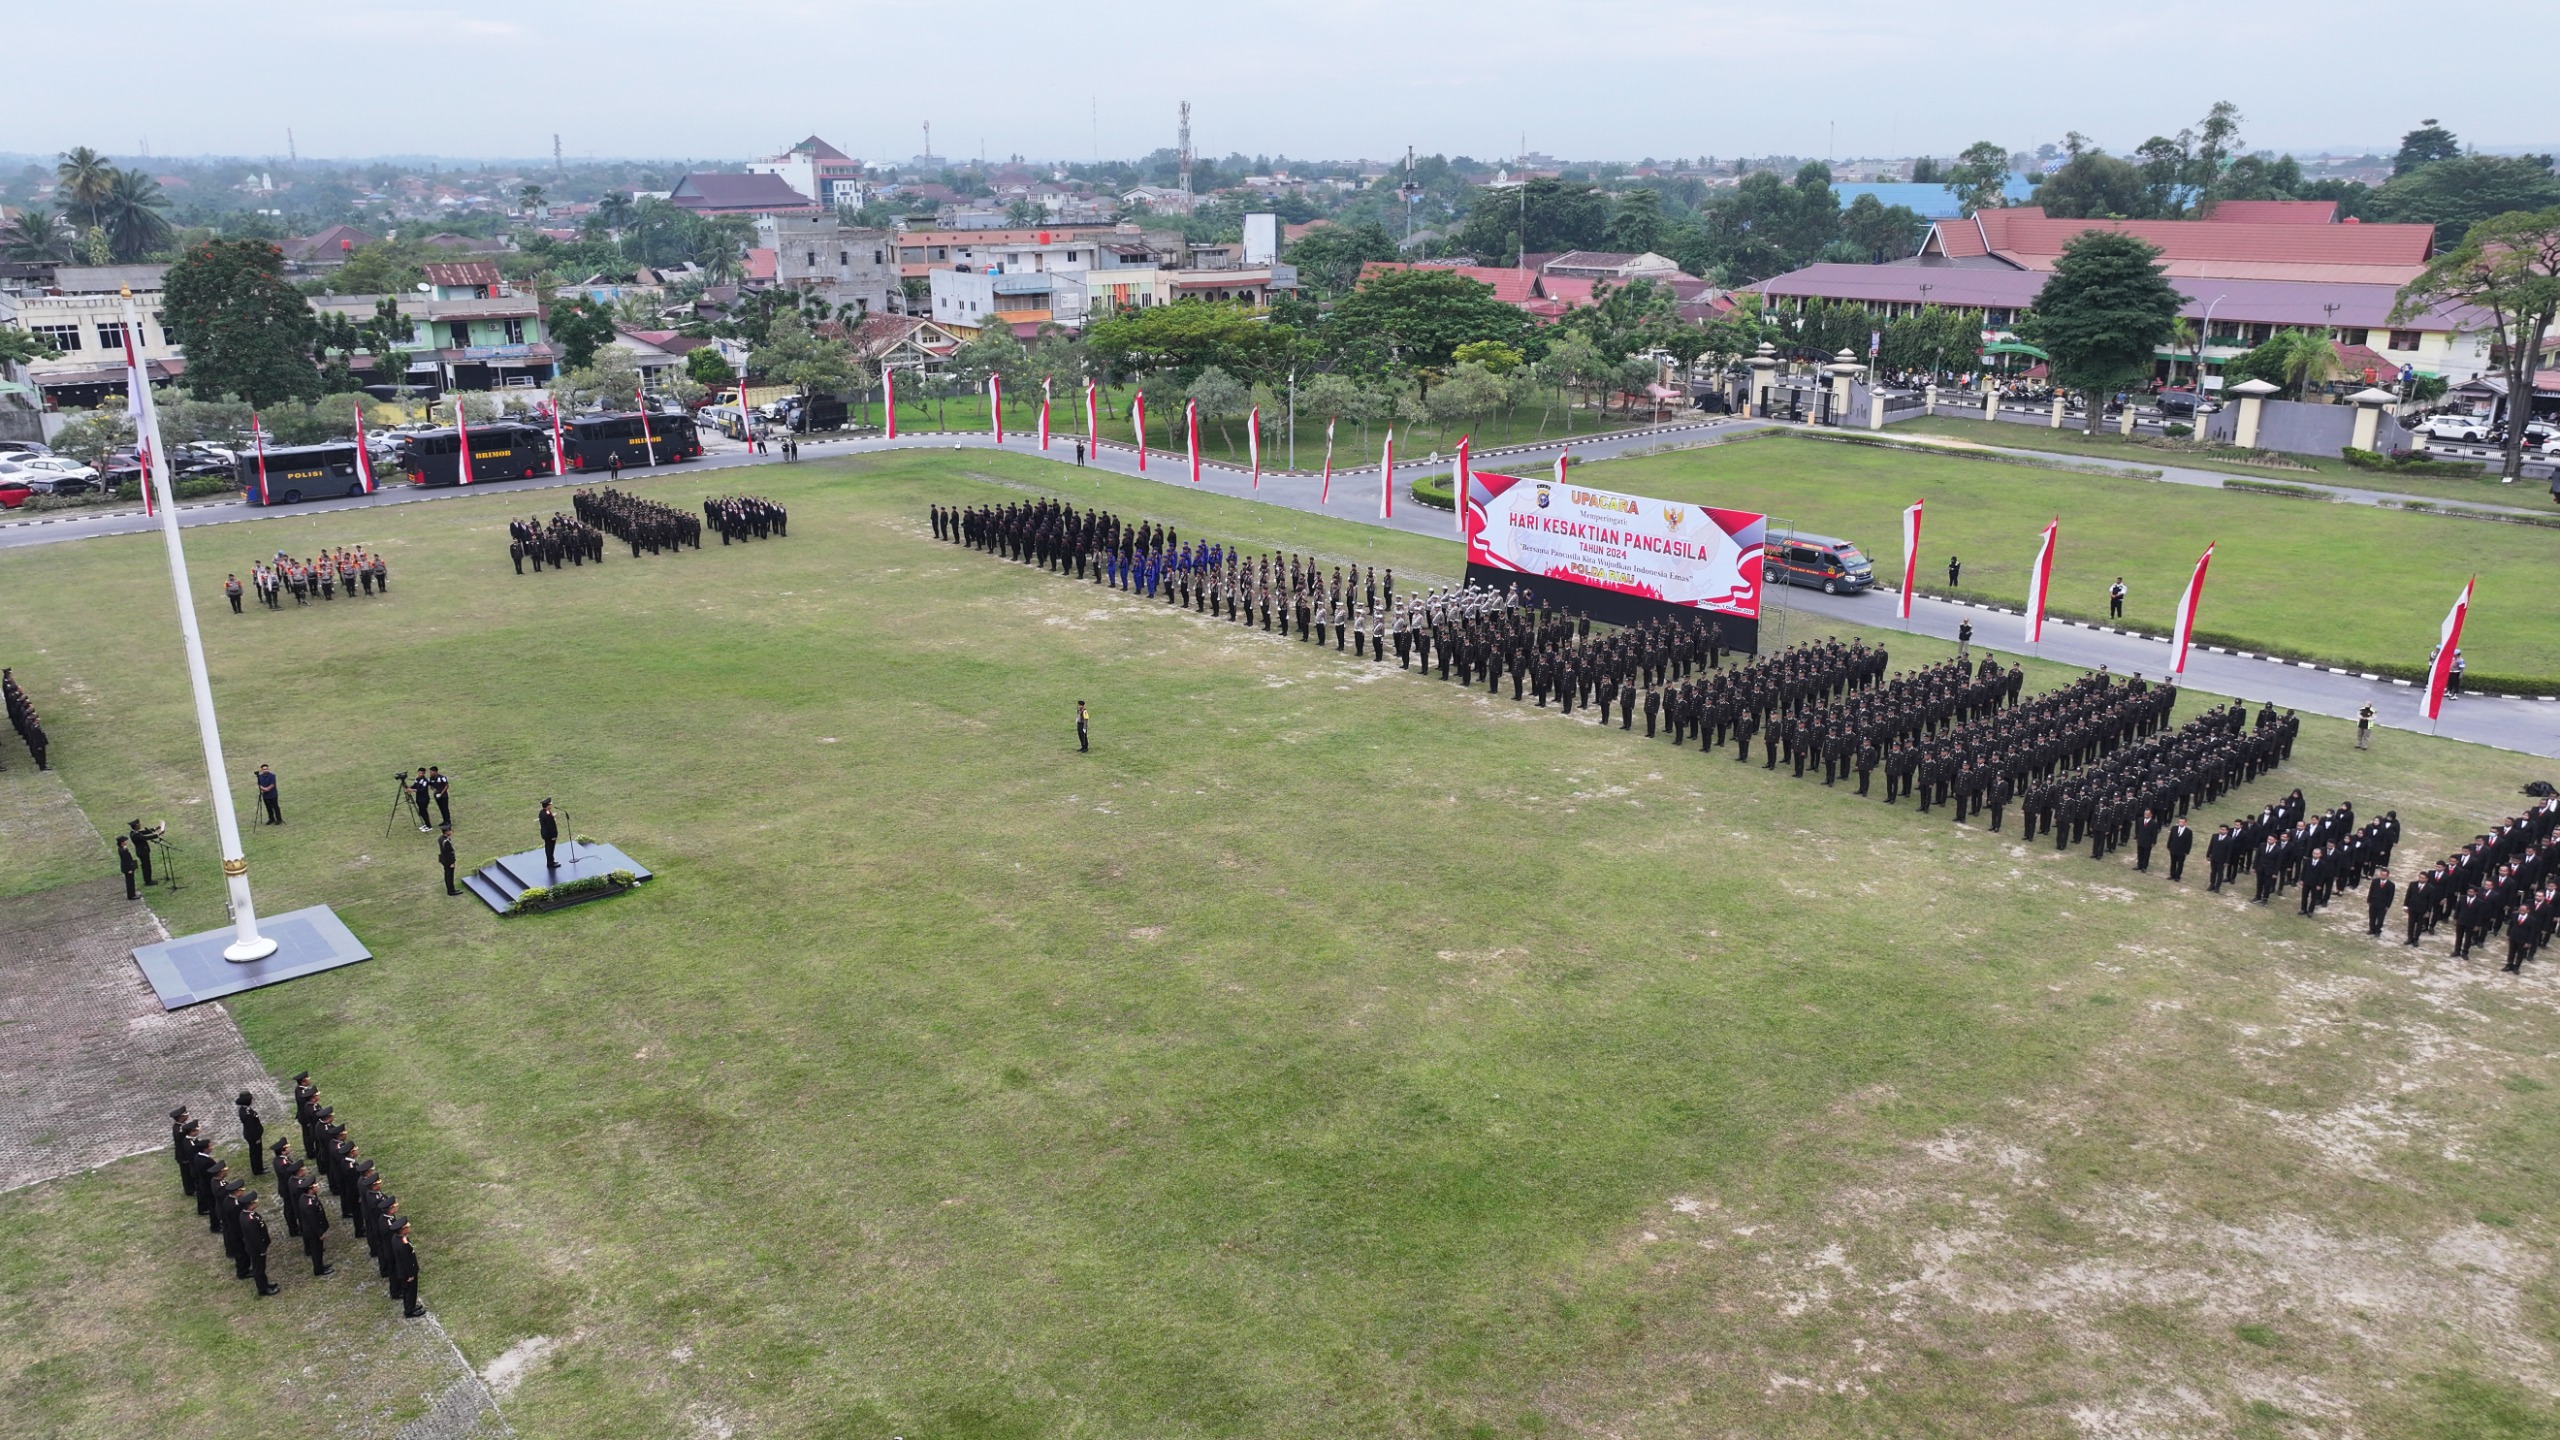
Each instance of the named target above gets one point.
<point>2182,404</point>
<point>14,492</point>
<point>2466,429</point>
<point>16,448</point>
<point>56,474</point>
<point>1823,562</point>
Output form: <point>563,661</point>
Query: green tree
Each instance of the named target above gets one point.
<point>1496,357</point>
<point>1182,339</point>
<point>1881,232</point>
<point>795,355</point>
<point>40,235</point>
<point>1469,392</point>
<point>2097,186</point>
<point>1220,396</point>
<point>83,179</point>
<point>2425,145</point>
<point>2453,195</point>
<point>1423,315</point>
<point>1329,257</point>
<point>21,347</point>
<point>383,268</point>
<point>1638,223</point>
<point>89,438</point>
<point>2509,267</point>
<point>134,216</point>
<point>245,330</point>
<point>2292,360</point>
<point>2107,307</point>
<point>1548,215</point>
<point>705,366</point>
<point>1762,227</point>
<point>1623,319</point>
<point>1980,177</point>
<point>1329,396</point>
<point>579,328</point>
<point>608,384</point>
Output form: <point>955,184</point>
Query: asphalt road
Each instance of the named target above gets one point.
<point>2530,726</point>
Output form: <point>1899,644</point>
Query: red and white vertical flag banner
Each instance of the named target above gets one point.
<point>1387,479</point>
<point>1325,494</point>
<point>137,403</point>
<point>1561,458</point>
<point>649,437</point>
<point>888,403</point>
<point>1191,435</point>
<point>258,439</point>
<point>559,450</point>
<point>2039,580</point>
<point>364,457</point>
<point>2448,641</point>
<point>461,440</point>
<point>1910,557</point>
<point>1092,416</point>
<point>1044,412</point>
<point>1253,443</point>
<point>1138,426</point>
<point>2182,632</point>
<point>1459,478</point>
<point>995,406</point>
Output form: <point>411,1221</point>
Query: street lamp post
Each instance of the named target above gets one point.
<point>2204,336</point>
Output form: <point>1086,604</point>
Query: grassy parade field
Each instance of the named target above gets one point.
<point>1329,1051</point>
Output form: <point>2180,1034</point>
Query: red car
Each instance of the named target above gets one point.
<point>14,493</point>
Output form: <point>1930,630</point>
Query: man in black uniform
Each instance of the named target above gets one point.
<point>267,796</point>
<point>125,862</point>
<point>253,1132</point>
<point>254,1240</point>
<point>404,1273</point>
<point>440,786</point>
<point>183,1148</point>
<point>550,833</point>
<point>2181,840</point>
<point>1955,569</point>
<point>419,793</point>
<point>141,848</point>
<point>315,1228</point>
<point>444,857</point>
<point>1084,721</point>
<point>2377,902</point>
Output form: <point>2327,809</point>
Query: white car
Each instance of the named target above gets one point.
<point>56,474</point>
<point>2464,428</point>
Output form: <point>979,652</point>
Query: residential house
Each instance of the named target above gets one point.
<point>656,353</point>
<point>469,329</point>
<point>1611,265</point>
<point>977,298</point>
<point>846,266</point>
<point>903,342</point>
<point>721,193</point>
<point>1160,199</point>
<point>327,250</point>
<point>81,314</point>
<point>819,171</point>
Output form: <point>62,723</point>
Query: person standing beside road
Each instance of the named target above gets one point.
<point>1955,571</point>
<point>2364,727</point>
<point>1079,453</point>
<point>2115,599</point>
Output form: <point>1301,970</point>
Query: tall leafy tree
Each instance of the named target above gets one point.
<point>2097,186</point>
<point>1980,177</point>
<point>2107,307</point>
<point>2453,195</point>
<point>578,328</point>
<point>2425,145</point>
<point>1879,232</point>
<point>1540,215</point>
<point>1638,223</point>
<point>2509,267</point>
<point>1329,257</point>
<point>246,331</point>
<point>1423,315</point>
<point>20,347</point>
<point>1180,340</point>
<point>134,216</point>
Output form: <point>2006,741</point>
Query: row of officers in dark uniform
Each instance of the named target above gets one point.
<point>2506,881</point>
<point>23,718</point>
<point>2094,760</point>
<point>234,1211</point>
<point>745,517</point>
<point>559,542</point>
<point>642,524</point>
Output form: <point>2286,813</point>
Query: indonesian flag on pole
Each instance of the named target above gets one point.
<point>1138,426</point>
<point>258,439</point>
<point>888,403</point>
<point>2183,631</point>
<point>1910,557</point>
<point>1326,493</point>
<point>364,458</point>
<point>1253,443</point>
<point>1459,478</point>
<point>2038,580</point>
<point>1191,435</point>
<point>650,438</point>
<point>137,403</point>
<point>1387,479</point>
<point>1092,416</point>
<point>1561,458</point>
<point>559,452</point>
<point>995,405</point>
<point>1044,412</point>
<point>2448,640</point>
<point>461,436</point>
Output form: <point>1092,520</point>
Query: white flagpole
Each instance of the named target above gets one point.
<point>247,944</point>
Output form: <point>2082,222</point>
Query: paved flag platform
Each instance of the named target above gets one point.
<point>190,969</point>
<point>499,882</point>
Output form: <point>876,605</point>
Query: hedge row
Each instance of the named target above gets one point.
<point>2410,465</point>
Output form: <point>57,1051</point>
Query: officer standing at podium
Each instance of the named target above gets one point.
<point>550,835</point>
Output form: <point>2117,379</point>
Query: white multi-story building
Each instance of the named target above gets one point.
<point>81,314</point>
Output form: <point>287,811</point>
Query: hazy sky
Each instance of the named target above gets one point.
<point>1316,78</point>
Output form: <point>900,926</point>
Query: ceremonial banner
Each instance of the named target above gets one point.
<point>995,406</point>
<point>1092,418</point>
<point>888,402</point>
<point>2448,643</point>
<point>1910,556</point>
<point>1253,443</point>
<point>559,452</point>
<point>1387,478</point>
<point>1191,435</point>
<point>1138,426</point>
<point>1044,412</point>
<point>258,438</point>
<point>2038,580</point>
<point>1458,477</point>
<point>137,404</point>
<point>2183,631</point>
<point>1325,494</point>
<point>1621,558</point>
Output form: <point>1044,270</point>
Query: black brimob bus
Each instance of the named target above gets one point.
<point>295,473</point>
<point>500,450</point>
<point>590,442</point>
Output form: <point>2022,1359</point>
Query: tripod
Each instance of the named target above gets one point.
<point>399,802</point>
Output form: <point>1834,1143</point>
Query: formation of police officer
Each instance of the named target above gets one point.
<point>2283,846</point>
<point>746,517</point>
<point>2506,881</point>
<point>233,1211</point>
<point>2138,777</point>
<point>23,718</point>
<point>319,578</point>
<point>641,524</point>
<point>559,542</point>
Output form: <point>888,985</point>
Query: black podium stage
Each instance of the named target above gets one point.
<point>499,882</point>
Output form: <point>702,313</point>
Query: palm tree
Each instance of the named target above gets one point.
<point>131,214</point>
<point>84,177</point>
<point>40,235</point>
